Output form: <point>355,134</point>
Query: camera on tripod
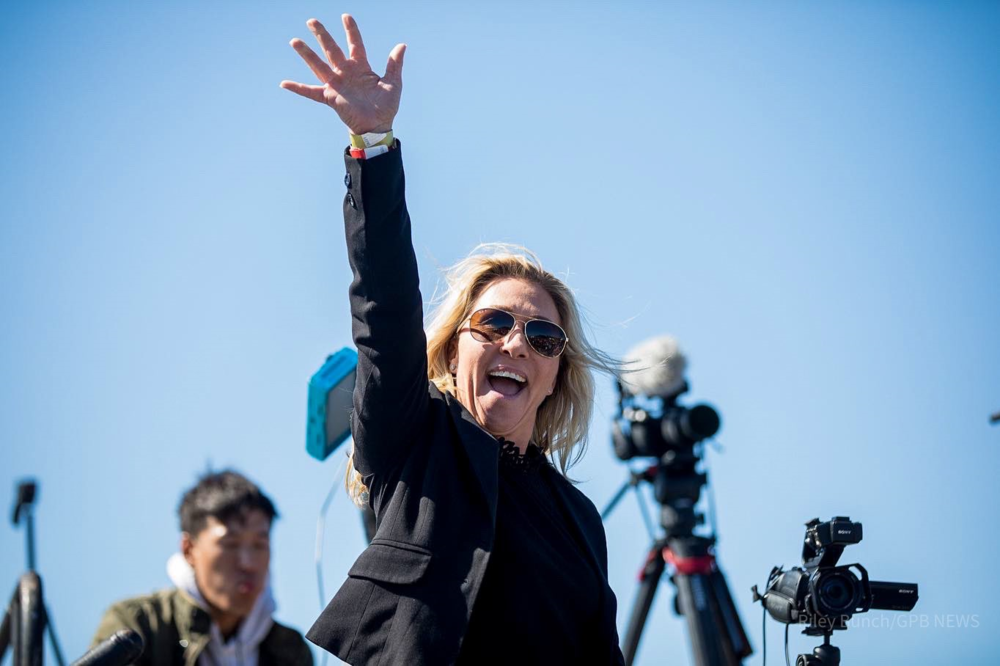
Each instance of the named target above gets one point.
<point>824,596</point>
<point>650,424</point>
<point>655,426</point>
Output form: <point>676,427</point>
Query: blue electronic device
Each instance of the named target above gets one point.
<point>331,390</point>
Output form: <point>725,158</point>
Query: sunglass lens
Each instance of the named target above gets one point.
<point>545,337</point>
<point>490,325</point>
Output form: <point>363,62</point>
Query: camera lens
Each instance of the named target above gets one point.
<point>836,592</point>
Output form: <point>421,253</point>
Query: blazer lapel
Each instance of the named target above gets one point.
<point>481,449</point>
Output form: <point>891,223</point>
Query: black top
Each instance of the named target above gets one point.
<point>541,597</point>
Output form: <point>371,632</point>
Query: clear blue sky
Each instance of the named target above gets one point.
<point>805,194</point>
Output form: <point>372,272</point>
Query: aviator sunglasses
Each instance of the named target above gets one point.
<point>545,337</point>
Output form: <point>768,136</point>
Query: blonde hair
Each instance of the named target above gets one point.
<point>563,418</point>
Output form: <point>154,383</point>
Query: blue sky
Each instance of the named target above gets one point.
<point>804,194</point>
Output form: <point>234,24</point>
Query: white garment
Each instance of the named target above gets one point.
<point>241,649</point>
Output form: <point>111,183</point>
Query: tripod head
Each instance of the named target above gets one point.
<point>825,654</point>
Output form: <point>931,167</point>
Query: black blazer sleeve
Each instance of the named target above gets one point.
<point>390,396</point>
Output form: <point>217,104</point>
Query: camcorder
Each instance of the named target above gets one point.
<point>823,594</point>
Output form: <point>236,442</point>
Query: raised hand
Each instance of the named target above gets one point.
<point>362,99</point>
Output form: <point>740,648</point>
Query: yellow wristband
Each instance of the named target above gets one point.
<point>371,139</point>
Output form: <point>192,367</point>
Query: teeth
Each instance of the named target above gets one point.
<point>508,375</point>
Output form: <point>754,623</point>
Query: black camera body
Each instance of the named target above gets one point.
<point>654,426</point>
<point>823,594</point>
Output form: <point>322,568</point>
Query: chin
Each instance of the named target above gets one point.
<point>240,608</point>
<point>503,417</point>
<point>240,604</point>
<point>500,424</point>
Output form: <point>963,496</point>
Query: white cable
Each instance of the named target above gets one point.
<point>320,529</point>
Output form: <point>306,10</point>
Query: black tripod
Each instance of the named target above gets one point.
<point>702,595</point>
<point>26,618</point>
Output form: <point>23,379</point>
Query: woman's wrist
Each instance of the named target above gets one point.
<point>371,139</point>
<point>380,129</point>
<point>371,144</point>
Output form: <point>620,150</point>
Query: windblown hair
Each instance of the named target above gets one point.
<point>563,418</point>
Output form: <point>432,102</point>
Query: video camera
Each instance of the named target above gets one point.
<point>823,595</point>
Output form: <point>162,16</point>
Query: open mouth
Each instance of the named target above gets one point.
<point>505,382</point>
<point>246,587</point>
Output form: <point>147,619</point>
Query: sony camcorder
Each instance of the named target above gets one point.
<point>822,594</point>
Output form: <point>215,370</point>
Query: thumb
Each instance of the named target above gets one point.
<point>394,67</point>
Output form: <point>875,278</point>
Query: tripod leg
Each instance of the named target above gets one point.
<point>614,500</point>
<point>729,618</point>
<point>28,622</point>
<point>5,631</point>
<point>643,602</point>
<point>698,605</point>
<point>51,631</point>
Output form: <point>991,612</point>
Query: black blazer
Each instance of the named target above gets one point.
<point>430,468</point>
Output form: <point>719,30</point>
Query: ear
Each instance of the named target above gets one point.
<point>187,547</point>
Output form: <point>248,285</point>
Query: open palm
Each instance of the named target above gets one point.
<point>364,101</point>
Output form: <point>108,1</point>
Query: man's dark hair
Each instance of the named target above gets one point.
<point>224,496</point>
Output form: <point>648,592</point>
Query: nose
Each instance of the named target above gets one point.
<point>515,344</point>
<point>247,559</point>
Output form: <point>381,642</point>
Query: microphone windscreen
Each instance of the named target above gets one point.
<point>331,390</point>
<point>658,367</point>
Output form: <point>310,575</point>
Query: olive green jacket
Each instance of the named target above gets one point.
<point>175,631</point>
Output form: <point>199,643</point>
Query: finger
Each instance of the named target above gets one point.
<point>316,64</point>
<point>326,42</point>
<point>314,93</point>
<point>394,68</point>
<point>355,45</point>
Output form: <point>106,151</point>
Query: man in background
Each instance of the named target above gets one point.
<point>219,612</point>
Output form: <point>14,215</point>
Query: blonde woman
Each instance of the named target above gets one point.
<point>484,552</point>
